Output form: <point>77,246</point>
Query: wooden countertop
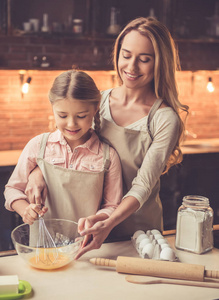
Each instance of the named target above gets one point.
<point>195,146</point>
<point>82,280</point>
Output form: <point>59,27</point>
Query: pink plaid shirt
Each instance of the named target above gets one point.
<point>86,157</point>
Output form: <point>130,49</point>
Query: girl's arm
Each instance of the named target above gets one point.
<point>28,212</point>
<point>15,188</point>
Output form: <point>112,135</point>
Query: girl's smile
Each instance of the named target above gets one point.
<point>74,120</point>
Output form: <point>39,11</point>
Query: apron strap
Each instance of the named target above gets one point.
<point>43,145</point>
<point>151,114</point>
<point>106,156</point>
<point>104,96</point>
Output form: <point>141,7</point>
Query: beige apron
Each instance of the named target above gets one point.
<point>72,194</point>
<point>132,146</point>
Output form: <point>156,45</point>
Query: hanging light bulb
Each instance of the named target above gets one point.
<point>210,86</point>
<point>25,86</point>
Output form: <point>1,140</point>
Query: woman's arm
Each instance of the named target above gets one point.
<point>36,189</point>
<point>165,136</point>
<point>113,187</point>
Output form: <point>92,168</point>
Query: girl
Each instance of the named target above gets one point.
<point>83,175</point>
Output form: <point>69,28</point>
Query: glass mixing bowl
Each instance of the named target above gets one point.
<point>31,243</point>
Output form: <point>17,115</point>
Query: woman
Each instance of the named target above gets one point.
<point>140,119</point>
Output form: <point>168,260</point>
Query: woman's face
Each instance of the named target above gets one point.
<point>136,60</point>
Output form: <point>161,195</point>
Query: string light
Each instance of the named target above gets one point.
<point>25,86</point>
<point>210,86</point>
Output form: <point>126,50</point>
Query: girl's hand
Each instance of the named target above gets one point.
<point>36,189</point>
<point>94,235</point>
<point>31,213</point>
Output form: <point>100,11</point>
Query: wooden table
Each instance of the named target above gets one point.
<point>81,280</point>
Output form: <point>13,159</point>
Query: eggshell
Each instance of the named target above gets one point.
<point>148,251</point>
<point>164,246</point>
<point>155,231</point>
<point>137,233</point>
<point>161,241</point>
<point>140,238</point>
<point>167,254</point>
<point>143,242</point>
<point>158,236</point>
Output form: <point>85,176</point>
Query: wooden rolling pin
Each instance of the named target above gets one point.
<point>157,268</point>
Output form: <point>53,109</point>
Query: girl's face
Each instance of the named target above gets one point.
<point>136,60</point>
<point>74,119</point>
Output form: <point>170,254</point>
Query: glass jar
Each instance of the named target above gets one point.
<point>77,26</point>
<point>194,227</point>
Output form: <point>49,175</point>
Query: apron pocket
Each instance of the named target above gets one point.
<point>90,166</point>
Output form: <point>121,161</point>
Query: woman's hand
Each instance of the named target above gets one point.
<point>92,230</point>
<point>94,235</point>
<point>36,189</point>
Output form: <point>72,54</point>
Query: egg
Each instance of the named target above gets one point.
<point>143,242</point>
<point>167,254</point>
<point>140,238</point>
<point>155,231</point>
<point>148,251</point>
<point>137,233</point>
<point>158,236</point>
<point>164,246</point>
<point>161,241</point>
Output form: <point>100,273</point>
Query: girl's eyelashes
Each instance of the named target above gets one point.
<point>81,117</point>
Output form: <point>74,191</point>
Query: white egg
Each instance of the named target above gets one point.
<point>137,233</point>
<point>155,231</point>
<point>140,238</point>
<point>148,251</point>
<point>158,236</point>
<point>161,241</point>
<point>164,246</point>
<point>143,242</point>
<point>167,254</point>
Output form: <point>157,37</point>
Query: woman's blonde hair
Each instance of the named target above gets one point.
<point>76,85</point>
<point>166,64</point>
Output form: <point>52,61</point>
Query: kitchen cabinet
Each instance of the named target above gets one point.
<point>193,24</point>
<point>185,19</point>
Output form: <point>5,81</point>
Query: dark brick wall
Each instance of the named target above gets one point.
<point>92,54</point>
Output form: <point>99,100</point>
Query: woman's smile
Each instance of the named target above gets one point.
<point>131,76</point>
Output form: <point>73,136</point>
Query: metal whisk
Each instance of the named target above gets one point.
<point>46,252</point>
